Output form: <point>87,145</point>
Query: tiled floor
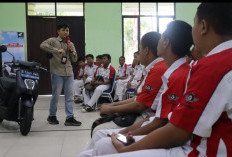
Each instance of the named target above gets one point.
<point>45,140</point>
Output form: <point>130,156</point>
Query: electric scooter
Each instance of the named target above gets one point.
<point>19,91</point>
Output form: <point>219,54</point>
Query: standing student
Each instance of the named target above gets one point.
<point>63,51</point>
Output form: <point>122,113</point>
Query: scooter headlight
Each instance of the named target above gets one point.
<point>30,84</point>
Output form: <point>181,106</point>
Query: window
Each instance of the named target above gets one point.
<point>140,18</point>
<point>55,9</point>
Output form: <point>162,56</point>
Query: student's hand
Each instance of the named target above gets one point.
<point>61,51</point>
<point>123,131</point>
<point>93,82</point>
<point>105,109</point>
<point>117,77</point>
<point>119,146</point>
<point>105,104</point>
<point>135,89</point>
<point>128,85</point>
<point>98,83</point>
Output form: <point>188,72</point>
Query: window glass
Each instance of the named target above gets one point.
<point>166,9</point>
<point>130,38</point>
<point>69,9</point>
<point>147,8</point>
<point>163,22</point>
<point>41,9</point>
<point>147,24</point>
<point>130,8</point>
<point>151,17</point>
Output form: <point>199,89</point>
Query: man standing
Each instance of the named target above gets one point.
<point>62,52</point>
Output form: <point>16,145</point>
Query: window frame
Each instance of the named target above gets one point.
<point>139,24</point>
<point>55,11</point>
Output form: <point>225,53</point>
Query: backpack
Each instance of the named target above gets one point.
<point>105,118</point>
<point>90,87</point>
<point>120,119</point>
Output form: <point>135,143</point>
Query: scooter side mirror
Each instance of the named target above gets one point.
<point>3,48</point>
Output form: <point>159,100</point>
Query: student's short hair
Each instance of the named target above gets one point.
<point>62,25</point>
<point>122,57</point>
<point>179,33</point>
<point>107,55</point>
<point>99,57</point>
<point>151,40</point>
<point>89,55</point>
<point>81,59</point>
<point>218,15</point>
<point>136,53</point>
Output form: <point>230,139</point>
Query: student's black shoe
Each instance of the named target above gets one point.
<point>116,100</point>
<point>72,122</point>
<point>87,108</point>
<point>52,120</point>
<point>78,100</point>
<point>83,105</point>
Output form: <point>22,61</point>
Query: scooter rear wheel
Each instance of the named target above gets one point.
<point>25,123</point>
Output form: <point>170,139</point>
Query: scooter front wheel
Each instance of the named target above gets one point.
<point>25,123</point>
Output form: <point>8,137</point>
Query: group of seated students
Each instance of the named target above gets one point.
<point>191,102</point>
<point>87,73</point>
<point>128,77</point>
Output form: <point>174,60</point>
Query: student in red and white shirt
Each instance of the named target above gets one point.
<point>174,80</point>
<point>107,71</point>
<point>99,61</point>
<point>137,76</point>
<point>79,81</point>
<point>90,68</point>
<point>201,125</point>
<point>121,79</point>
<point>155,68</point>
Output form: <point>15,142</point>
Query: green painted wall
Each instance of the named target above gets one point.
<point>103,24</point>
<point>103,30</point>
<point>186,11</point>
<point>13,18</point>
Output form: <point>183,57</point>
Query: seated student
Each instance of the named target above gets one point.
<point>107,71</point>
<point>138,74</point>
<point>151,90</point>
<point>121,79</point>
<point>173,46</point>
<point>88,71</point>
<point>99,61</point>
<point>201,124</point>
<point>131,68</point>
<point>193,55</point>
<point>79,81</point>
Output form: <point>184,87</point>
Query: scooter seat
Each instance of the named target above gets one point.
<point>27,64</point>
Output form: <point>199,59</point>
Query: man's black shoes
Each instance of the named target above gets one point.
<point>72,122</point>
<point>52,120</point>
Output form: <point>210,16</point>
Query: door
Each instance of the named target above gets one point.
<point>40,29</point>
